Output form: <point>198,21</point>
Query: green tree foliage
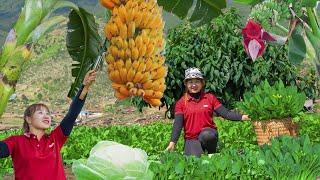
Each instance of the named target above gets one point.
<point>217,50</point>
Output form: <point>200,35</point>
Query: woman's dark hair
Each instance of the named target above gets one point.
<point>29,112</point>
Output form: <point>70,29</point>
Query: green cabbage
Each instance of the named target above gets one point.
<point>111,160</point>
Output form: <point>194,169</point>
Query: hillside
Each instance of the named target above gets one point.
<point>47,79</point>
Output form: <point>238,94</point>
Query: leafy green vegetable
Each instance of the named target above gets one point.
<point>111,160</point>
<point>272,102</point>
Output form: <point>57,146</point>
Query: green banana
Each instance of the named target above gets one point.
<point>5,92</point>
<point>8,47</point>
<point>12,69</point>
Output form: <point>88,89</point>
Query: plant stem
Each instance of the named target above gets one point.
<point>313,22</point>
<point>282,28</point>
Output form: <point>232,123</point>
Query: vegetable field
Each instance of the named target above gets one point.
<point>239,155</point>
<point>260,58</point>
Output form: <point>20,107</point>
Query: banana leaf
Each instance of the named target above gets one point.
<point>84,45</point>
<point>297,47</point>
<point>44,28</point>
<point>248,2</point>
<point>199,11</point>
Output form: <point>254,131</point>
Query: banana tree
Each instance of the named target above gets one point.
<point>306,35</point>
<point>34,21</point>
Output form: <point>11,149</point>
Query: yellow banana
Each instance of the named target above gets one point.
<point>123,74</point>
<point>150,49</point>
<point>137,77</point>
<point>149,64</point>
<point>130,74</point>
<point>148,85</point>
<point>161,60</point>
<point>140,92</point>
<point>107,31</point>
<point>161,72</point>
<point>142,50</point>
<point>122,54</point>
<point>123,90</point>
<point>129,85</point>
<point>132,44</point>
<point>115,86</point>
<point>162,87</point>
<point>146,77</point>
<point>110,59</point>
<point>142,66</point>
<point>135,64</point>
<point>138,19</point>
<point>154,66</point>
<point>157,95</point>
<point>155,102</point>
<point>117,2</point>
<point>148,93</point>
<point>118,22</point>
<point>125,44</point>
<point>119,64</point>
<point>131,29</point>
<point>138,41</point>
<point>133,91</point>
<point>114,51</point>
<point>122,13</point>
<point>123,31</point>
<point>128,53</point>
<point>115,76</point>
<point>128,64</point>
<point>134,53</point>
<point>110,68</point>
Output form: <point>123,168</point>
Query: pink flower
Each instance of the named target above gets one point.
<point>254,38</point>
<point>252,30</point>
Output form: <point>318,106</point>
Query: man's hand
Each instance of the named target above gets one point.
<point>170,146</point>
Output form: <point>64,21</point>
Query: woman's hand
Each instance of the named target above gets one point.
<point>170,146</point>
<point>245,118</point>
<point>89,78</point>
<point>87,82</point>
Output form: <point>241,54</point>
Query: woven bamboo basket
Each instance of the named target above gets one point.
<point>265,130</point>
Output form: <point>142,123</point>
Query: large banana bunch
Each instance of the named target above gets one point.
<point>135,65</point>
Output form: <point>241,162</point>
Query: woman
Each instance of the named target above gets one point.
<point>35,154</point>
<point>194,112</point>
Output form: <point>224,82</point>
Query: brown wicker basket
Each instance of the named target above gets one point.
<point>265,130</point>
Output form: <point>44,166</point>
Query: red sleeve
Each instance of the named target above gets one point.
<point>58,136</point>
<point>11,143</point>
<point>178,109</point>
<point>215,102</point>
